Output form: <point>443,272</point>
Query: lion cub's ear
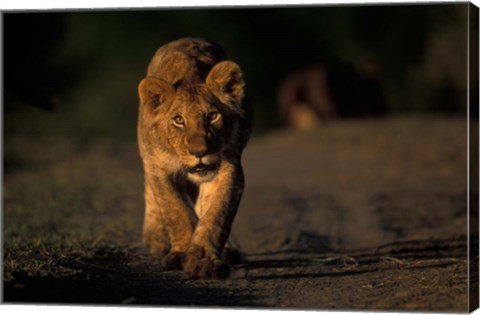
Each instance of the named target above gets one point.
<point>225,80</point>
<point>153,91</point>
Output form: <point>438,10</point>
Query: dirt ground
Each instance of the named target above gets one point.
<point>358,215</point>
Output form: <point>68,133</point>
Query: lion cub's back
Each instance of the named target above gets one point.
<point>186,59</point>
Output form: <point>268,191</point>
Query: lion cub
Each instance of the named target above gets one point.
<point>194,122</point>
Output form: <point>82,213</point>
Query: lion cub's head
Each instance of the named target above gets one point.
<point>195,122</point>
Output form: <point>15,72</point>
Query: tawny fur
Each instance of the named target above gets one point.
<point>194,122</point>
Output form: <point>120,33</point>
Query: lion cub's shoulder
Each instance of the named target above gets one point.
<point>186,59</point>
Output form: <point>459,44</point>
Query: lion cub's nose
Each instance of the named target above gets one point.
<point>197,146</point>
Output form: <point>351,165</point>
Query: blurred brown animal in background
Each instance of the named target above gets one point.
<point>319,93</point>
<point>304,98</point>
<point>194,122</point>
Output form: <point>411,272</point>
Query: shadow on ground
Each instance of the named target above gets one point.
<point>129,276</point>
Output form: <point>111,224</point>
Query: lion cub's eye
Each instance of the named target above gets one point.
<point>178,121</point>
<point>213,116</point>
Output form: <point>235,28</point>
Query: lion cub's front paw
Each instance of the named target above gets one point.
<point>199,265</point>
<point>173,261</point>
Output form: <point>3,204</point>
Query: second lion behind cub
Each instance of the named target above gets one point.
<point>194,122</point>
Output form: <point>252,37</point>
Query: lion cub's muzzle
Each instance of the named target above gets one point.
<point>203,160</point>
<point>203,157</point>
<point>203,169</point>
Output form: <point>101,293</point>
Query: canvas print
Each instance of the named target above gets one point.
<point>288,157</point>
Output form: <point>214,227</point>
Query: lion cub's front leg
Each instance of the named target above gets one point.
<point>217,205</point>
<point>169,221</point>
